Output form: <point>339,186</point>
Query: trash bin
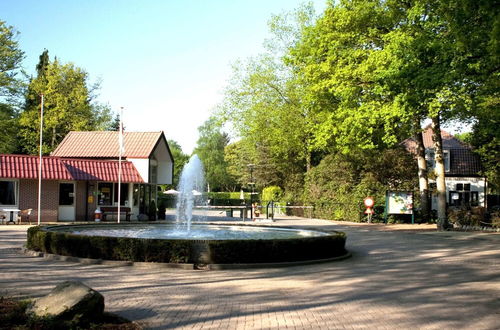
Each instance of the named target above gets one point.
<point>229,213</point>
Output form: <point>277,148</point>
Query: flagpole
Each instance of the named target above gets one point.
<point>120,146</point>
<point>40,164</point>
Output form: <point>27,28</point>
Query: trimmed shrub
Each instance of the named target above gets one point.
<point>279,250</point>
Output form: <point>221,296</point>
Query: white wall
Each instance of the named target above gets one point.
<point>165,163</point>
<point>142,166</point>
<point>476,184</point>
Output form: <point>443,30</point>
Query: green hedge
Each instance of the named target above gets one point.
<point>282,250</point>
<point>110,248</point>
<point>186,251</point>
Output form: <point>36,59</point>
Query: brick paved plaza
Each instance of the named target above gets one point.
<point>396,279</point>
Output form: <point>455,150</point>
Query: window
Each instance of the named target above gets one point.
<point>8,192</point>
<point>123,194</point>
<point>430,158</point>
<point>153,170</point>
<point>104,193</point>
<point>66,193</point>
<point>136,195</point>
<point>446,158</point>
<point>107,193</point>
<point>462,196</point>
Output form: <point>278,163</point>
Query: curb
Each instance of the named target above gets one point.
<point>160,265</point>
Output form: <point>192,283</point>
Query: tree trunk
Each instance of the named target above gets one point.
<point>440,179</point>
<point>423,181</point>
<point>308,161</point>
<point>53,142</point>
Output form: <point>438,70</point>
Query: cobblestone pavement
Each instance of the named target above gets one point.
<point>394,280</point>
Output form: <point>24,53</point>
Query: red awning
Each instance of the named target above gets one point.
<point>56,168</point>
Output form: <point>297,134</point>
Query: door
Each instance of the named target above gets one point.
<point>67,201</point>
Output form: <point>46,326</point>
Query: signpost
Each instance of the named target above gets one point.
<point>399,202</point>
<point>369,203</point>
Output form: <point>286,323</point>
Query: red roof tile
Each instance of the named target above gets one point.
<point>26,167</point>
<point>104,144</point>
<point>55,168</point>
<point>449,141</point>
<point>101,170</point>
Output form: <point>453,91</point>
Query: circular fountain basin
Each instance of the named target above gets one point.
<point>197,232</point>
<point>203,244</point>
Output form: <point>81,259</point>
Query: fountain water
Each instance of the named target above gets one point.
<point>191,186</point>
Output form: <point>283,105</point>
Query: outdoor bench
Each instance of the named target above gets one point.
<point>112,210</point>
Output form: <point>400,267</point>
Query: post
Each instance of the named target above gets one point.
<point>40,164</point>
<point>120,147</point>
<point>386,206</point>
<point>252,193</point>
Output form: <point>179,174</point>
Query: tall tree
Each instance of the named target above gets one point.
<point>10,85</point>
<point>180,159</point>
<point>376,69</point>
<point>210,149</point>
<point>68,105</point>
<point>263,104</point>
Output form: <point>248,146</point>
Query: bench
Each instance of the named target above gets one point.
<point>112,210</point>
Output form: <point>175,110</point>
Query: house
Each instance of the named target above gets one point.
<point>465,186</point>
<point>81,175</point>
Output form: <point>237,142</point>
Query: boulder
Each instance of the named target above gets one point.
<point>69,299</point>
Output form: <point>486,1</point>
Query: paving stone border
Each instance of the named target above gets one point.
<point>185,266</point>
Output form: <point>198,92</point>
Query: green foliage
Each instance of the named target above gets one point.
<point>110,248</point>
<point>229,198</point>
<point>67,106</point>
<point>10,86</point>
<point>263,104</point>
<point>10,62</point>
<point>338,185</point>
<point>272,193</point>
<point>180,159</point>
<point>279,250</point>
<point>210,149</point>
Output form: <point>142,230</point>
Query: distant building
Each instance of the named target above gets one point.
<point>81,175</point>
<point>465,186</point>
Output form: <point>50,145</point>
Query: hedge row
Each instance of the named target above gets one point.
<point>186,251</point>
<point>110,248</point>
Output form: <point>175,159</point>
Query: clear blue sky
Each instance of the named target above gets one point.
<point>166,62</point>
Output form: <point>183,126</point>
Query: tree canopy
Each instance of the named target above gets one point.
<point>11,57</point>
<point>68,105</point>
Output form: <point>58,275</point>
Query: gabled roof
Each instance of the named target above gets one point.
<point>55,168</point>
<point>463,162</point>
<point>104,144</point>
<point>449,141</point>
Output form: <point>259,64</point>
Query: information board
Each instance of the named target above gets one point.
<point>399,202</point>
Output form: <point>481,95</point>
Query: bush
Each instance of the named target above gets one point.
<point>338,185</point>
<point>475,216</point>
<point>279,250</point>
<point>272,193</point>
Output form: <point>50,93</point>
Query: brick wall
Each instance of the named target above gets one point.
<point>28,199</point>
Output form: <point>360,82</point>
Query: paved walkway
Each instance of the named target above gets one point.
<point>396,279</point>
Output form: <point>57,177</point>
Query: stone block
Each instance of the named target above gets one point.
<point>69,299</point>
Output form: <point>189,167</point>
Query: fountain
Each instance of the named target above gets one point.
<point>191,184</point>
<point>187,242</point>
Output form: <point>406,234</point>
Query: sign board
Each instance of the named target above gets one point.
<point>399,202</point>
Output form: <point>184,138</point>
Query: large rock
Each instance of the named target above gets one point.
<point>69,299</point>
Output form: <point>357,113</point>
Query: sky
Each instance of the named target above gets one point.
<point>165,62</point>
